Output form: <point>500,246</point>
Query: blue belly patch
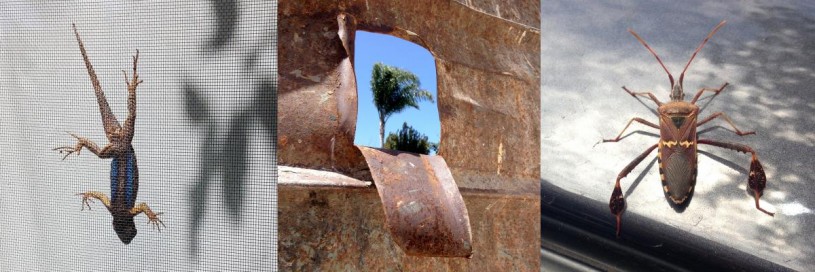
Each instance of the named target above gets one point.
<point>114,180</point>
<point>130,179</point>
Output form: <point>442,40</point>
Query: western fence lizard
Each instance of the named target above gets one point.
<point>124,172</point>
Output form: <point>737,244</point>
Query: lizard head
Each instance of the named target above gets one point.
<point>125,228</point>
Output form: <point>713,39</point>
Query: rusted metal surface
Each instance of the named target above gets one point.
<point>343,229</point>
<point>487,57</point>
<point>317,96</point>
<point>488,70</point>
<point>423,207</point>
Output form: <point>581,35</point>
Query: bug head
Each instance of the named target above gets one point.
<point>677,92</point>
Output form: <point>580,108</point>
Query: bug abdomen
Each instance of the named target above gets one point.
<point>678,173</point>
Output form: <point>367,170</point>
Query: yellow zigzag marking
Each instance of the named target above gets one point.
<point>670,144</point>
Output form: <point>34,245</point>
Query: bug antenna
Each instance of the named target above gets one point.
<point>682,76</point>
<point>670,77</point>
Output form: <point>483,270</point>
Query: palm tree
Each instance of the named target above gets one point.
<point>394,90</point>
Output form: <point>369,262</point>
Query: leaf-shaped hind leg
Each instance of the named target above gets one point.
<point>756,179</point>
<point>727,119</point>
<point>617,201</point>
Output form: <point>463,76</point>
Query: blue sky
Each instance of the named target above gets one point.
<point>372,48</point>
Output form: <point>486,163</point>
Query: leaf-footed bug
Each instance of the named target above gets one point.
<point>677,152</point>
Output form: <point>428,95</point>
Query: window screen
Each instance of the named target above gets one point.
<point>204,135</point>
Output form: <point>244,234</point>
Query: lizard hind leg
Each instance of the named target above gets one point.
<point>88,197</point>
<point>122,224</point>
<point>131,100</point>
<point>151,216</point>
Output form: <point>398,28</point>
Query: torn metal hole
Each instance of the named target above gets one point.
<point>488,76</point>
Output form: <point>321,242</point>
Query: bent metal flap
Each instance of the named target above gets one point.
<point>424,210</point>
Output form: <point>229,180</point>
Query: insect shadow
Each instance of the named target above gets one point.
<point>680,208</point>
<point>639,178</point>
<point>730,164</point>
<point>711,128</point>
<point>650,106</point>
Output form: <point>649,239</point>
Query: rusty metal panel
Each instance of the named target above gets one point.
<point>488,84</point>
<point>343,229</point>
<point>423,207</point>
<point>519,11</point>
<point>487,57</point>
<point>317,96</point>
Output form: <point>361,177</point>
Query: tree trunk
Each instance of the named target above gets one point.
<point>381,133</point>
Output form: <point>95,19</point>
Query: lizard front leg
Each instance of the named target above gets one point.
<point>87,197</point>
<point>151,216</point>
<point>104,152</point>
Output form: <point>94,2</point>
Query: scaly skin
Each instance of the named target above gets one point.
<point>124,172</point>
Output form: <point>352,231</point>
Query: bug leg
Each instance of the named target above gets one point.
<point>640,120</point>
<point>617,201</point>
<point>702,90</point>
<point>617,204</point>
<point>757,180</point>
<point>643,94</point>
<point>723,115</point>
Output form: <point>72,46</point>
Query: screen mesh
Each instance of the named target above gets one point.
<point>204,134</point>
